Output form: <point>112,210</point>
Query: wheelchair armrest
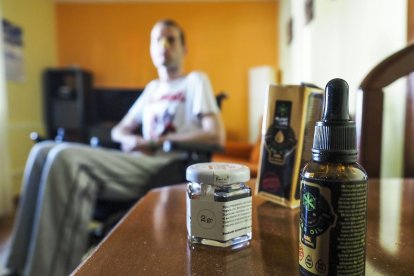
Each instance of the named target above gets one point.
<point>168,146</point>
<point>95,142</point>
<point>60,136</point>
<point>35,137</point>
<point>196,147</point>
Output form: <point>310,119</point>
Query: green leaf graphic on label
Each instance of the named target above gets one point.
<point>309,202</point>
<point>316,215</point>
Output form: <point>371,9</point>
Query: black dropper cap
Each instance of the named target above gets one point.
<point>335,134</point>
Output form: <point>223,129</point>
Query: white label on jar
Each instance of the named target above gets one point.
<point>221,178</point>
<point>220,221</point>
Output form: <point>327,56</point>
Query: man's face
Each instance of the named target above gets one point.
<point>166,47</point>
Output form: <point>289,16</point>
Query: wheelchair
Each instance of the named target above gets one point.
<point>107,213</point>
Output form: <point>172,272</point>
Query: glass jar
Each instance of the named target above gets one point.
<point>219,204</point>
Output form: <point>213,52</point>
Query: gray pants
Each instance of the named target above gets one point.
<point>60,186</point>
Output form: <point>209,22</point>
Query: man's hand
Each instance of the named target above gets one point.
<point>132,143</point>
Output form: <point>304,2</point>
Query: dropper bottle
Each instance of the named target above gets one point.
<point>333,203</point>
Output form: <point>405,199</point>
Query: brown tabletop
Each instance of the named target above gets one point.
<point>152,238</point>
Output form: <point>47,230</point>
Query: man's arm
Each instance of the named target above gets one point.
<point>124,133</point>
<point>212,132</point>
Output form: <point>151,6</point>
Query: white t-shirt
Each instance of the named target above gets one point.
<point>175,106</point>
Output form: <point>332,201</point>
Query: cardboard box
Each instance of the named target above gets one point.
<point>291,112</point>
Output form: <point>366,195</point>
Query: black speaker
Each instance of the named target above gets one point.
<point>67,103</point>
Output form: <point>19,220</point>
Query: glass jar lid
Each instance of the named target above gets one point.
<point>218,174</point>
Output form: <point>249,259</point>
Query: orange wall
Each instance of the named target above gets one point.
<point>224,40</point>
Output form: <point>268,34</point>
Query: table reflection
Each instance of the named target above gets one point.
<point>390,227</point>
<point>277,229</point>
<point>236,260</point>
<point>390,215</point>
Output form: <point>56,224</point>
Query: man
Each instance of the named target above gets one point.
<point>62,181</point>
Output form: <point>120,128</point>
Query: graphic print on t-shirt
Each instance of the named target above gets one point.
<point>162,122</point>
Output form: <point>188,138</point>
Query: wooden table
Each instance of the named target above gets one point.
<point>152,238</point>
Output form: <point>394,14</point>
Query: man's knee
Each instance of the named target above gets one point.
<point>62,153</point>
<point>42,147</point>
<point>40,151</point>
<point>70,153</point>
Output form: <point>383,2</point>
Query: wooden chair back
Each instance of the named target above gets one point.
<point>369,112</point>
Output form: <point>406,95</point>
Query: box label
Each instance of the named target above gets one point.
<point>289,122</point>
<point>279,152</point>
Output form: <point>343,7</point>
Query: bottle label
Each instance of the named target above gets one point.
<point>332,227</point>
<point>220,221</point>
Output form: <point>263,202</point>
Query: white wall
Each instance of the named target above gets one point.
<point>345,39</point>
<point>5,193</point>
<point>259,80</point>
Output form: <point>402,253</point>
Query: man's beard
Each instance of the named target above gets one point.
<point>171,68</point>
